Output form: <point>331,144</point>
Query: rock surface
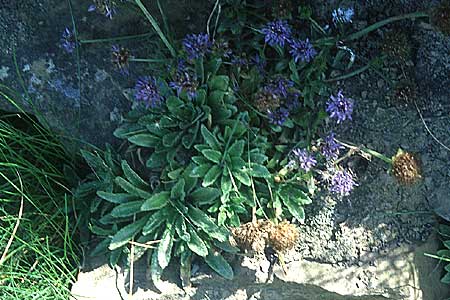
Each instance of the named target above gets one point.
<point>404,273</point>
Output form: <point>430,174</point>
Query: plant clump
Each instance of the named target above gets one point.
<point>406,167</point>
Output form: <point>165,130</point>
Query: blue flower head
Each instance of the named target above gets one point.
<point>342,182</point>
<point>330,148</point>
<point>342,15</point>
<point>302,50</point>
<point>278,116</point>
<point>185,82</point>
<point>146,91</point>
<point>68,41</point>
<point>277,33</point>
<point>304,159</point>
<point>340,107</point>
<point>197,45</point>
<point>259,62</point>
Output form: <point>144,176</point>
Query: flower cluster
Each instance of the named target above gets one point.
<point>277,33</point>
<point>342,182</point>
<point>68,41</point>
<point>146,91</point>
<point>197,45</point>
<point>340,107</point>
<point>342,15</point>
<point>278,116</point>
<point>330,148</point>
<point>186,82</point>
<point>303,159</point>
<point>302,50</point>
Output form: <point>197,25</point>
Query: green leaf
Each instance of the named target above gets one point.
<point>257,157</point>
<point>295,194</point>
<point>226,246</point>
<point>128,187</point>
<point>200,219</point>
<point>145,140</point>
<point>177,191</point>
<point>155,270</point>
<point>117,198</point>
<point>242,177</point>
<point>204,195</point>
<point>132,176</point>
<point>174,103</point>
<point>237,149</point>
<point>165,246</point>
<point>156,201</point>
<point>211,176</point>
<point>447,244</point>
<point>181,229</point>
<point>94,161</point>
<point>154,222</point>
<point>219,82</point>
<point>127,209</point>
<point>216,261</point>
<point>171,139</point>
<point>199,160</point>
<point>114,256</point>
<point>225,184</point>
<point>196,244</point>
<point>124,235</point>
<point>295,209</point>
<point>212,155</point>
<point>446,279</point>
<point>127,129</point>
<point>209,138</point>
<point>156,160</point>
<point>185,268</point>
<point>201,170</point>
<point>259,171</point>
<point>101,248</point>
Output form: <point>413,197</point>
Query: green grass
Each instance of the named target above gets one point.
<point>38,256</point>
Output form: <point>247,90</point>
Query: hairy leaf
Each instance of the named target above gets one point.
<point>211,176</point>
<point>156,201</point>
<point>124,235</point>
<point>216,261</point>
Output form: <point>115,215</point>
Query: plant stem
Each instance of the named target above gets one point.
<point>119,38</point>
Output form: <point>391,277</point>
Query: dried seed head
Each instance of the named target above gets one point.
<point>251,236</point>
<point>406,167</point>
<point>120,58</point>
<point>266,101</point>
<point>440,16</point>
<point>283,237</point>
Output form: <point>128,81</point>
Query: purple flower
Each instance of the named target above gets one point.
<point>185,82</point>
<point>277,33</point>
<point>340,107</point>
<point>330,149</point>
<point>342,182</point>
<point>343,15</point>
<point>120,57</point>
<point>146,90</point>
<point>68,41</point>
<point>278,116</point>
<point>304,159</point>
<point>302,50</point>
<point>105,7</point>
<point>280,86</point>
<point>197,45</point>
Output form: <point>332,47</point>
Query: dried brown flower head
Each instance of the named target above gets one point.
<point>406,167</point>
<point>283,237</point>
<point>252,235</point>
<point>440,16</point>
<point>266,101</point>
<point>120,58</point>
<point>256,236</point>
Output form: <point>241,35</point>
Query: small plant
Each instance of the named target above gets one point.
<point>230,132</point>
